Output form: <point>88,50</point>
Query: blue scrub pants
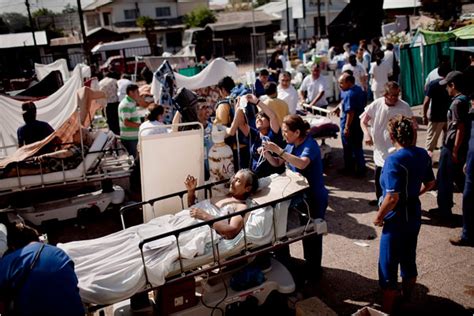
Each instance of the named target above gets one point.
<point>353,153</point>
<point>398,247</point>
<point>468,199</point>
<point>448,174</point>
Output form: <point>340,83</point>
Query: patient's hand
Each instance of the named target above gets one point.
<point>190,183</point>
<point>199,213</point>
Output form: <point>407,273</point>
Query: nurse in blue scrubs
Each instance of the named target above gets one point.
<point>302,155</point>
<point>407,173</point>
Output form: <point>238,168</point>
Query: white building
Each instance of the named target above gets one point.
<point>308,26</point>
<point>120,16</point>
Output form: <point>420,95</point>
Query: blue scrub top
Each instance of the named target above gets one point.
<point>313,172</point>
<point>50,288</point>
<point>403,172</point>
<point>355,100</point>
<point>264,168</point>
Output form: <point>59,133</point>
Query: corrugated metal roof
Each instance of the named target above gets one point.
<point>400,4</point>
<point>239,19</point>
<point>22,39</point>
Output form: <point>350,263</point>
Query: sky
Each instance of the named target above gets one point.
<point>55,5</point>
<point>20,7</point>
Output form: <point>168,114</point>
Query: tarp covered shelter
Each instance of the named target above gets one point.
<point>419,59</point>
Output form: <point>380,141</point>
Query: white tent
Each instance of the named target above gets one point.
<point>55,110</point>
<point>138,43</point>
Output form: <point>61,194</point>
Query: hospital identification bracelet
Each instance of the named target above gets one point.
<point>281,153</point>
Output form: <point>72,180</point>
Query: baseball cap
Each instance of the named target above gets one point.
<point>453,76</point>
<point>28,107</point>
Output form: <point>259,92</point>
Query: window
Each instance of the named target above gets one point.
<point>106,16</point>
<point>163,12</point>
<point>92,21</point>
<point>130,14</point>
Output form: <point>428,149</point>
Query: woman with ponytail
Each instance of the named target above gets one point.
<point>302,155</point>
<point>406,174</point>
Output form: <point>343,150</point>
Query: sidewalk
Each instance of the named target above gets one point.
<point>350,256</point>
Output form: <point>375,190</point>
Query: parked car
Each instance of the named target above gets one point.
<point>122,65</point>
<point>280,36</point>
<point>467,16</point>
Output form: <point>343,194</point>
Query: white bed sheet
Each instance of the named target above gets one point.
<point>110,268</point>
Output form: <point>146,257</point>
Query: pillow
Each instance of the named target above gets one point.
<point>264,183</point>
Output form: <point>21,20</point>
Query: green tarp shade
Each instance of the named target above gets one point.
<point>465,32</point>
<point>412,74</point>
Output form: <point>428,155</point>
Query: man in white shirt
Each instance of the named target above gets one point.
<point>122,84</point>
<point>433,74</point>
<point>109,86</point>
<point>315,86</point>
<point>377,114</point>
<point>287,92</point>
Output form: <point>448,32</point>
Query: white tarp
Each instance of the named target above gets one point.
<point>55,110</point>
<point>209,76</point>
<point>43,70</point>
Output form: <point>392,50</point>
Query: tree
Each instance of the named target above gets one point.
<point>199,17</point>
<point>42,12</point>
<point>16,22</point>
<point>147,25</point>
<point>69,9</point>
<point>259,3</point>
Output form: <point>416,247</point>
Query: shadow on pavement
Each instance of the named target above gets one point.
<point>454,221</point>
<point>346,292</point>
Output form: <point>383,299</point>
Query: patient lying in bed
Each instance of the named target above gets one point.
<point>110,268</point>
<point>67,158</point>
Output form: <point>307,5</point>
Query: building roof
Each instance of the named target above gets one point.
<point>22,39</point>
<point>65,41</point>
<point>400,4</point>
<point>96,4</point>
<point>240,19</point>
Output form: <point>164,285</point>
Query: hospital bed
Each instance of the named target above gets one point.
<point>102,161</point>
<point>322,128</point>
<point>175,250</point>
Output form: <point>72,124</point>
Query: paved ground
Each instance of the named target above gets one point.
<point>349,281</point>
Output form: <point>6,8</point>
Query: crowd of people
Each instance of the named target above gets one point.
<point>267,133</point>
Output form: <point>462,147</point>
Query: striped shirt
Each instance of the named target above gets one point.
<point>128,110</point>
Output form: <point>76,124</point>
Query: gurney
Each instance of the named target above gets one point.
<point>102,161</point>
<point>149,256</point>
<point>322,128</point>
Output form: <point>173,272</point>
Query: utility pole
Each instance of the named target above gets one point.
<point>288,31</point>
<point>83,29</point>
<point>31,22</point>
<point>319,18</point>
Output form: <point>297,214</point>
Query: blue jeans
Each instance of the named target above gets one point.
<point>353,152</point>
<point>468,199</point>
<point>448,174</point>
<point>131,146</point>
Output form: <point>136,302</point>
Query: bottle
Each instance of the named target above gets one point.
<point>221,160</point>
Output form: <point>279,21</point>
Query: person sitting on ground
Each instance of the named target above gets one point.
<point>33,130</point>
<point>406,174</point>
<point>38,278</point>
<point>262,79</point>
<point>154,123</point>
<point>242,184</point>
